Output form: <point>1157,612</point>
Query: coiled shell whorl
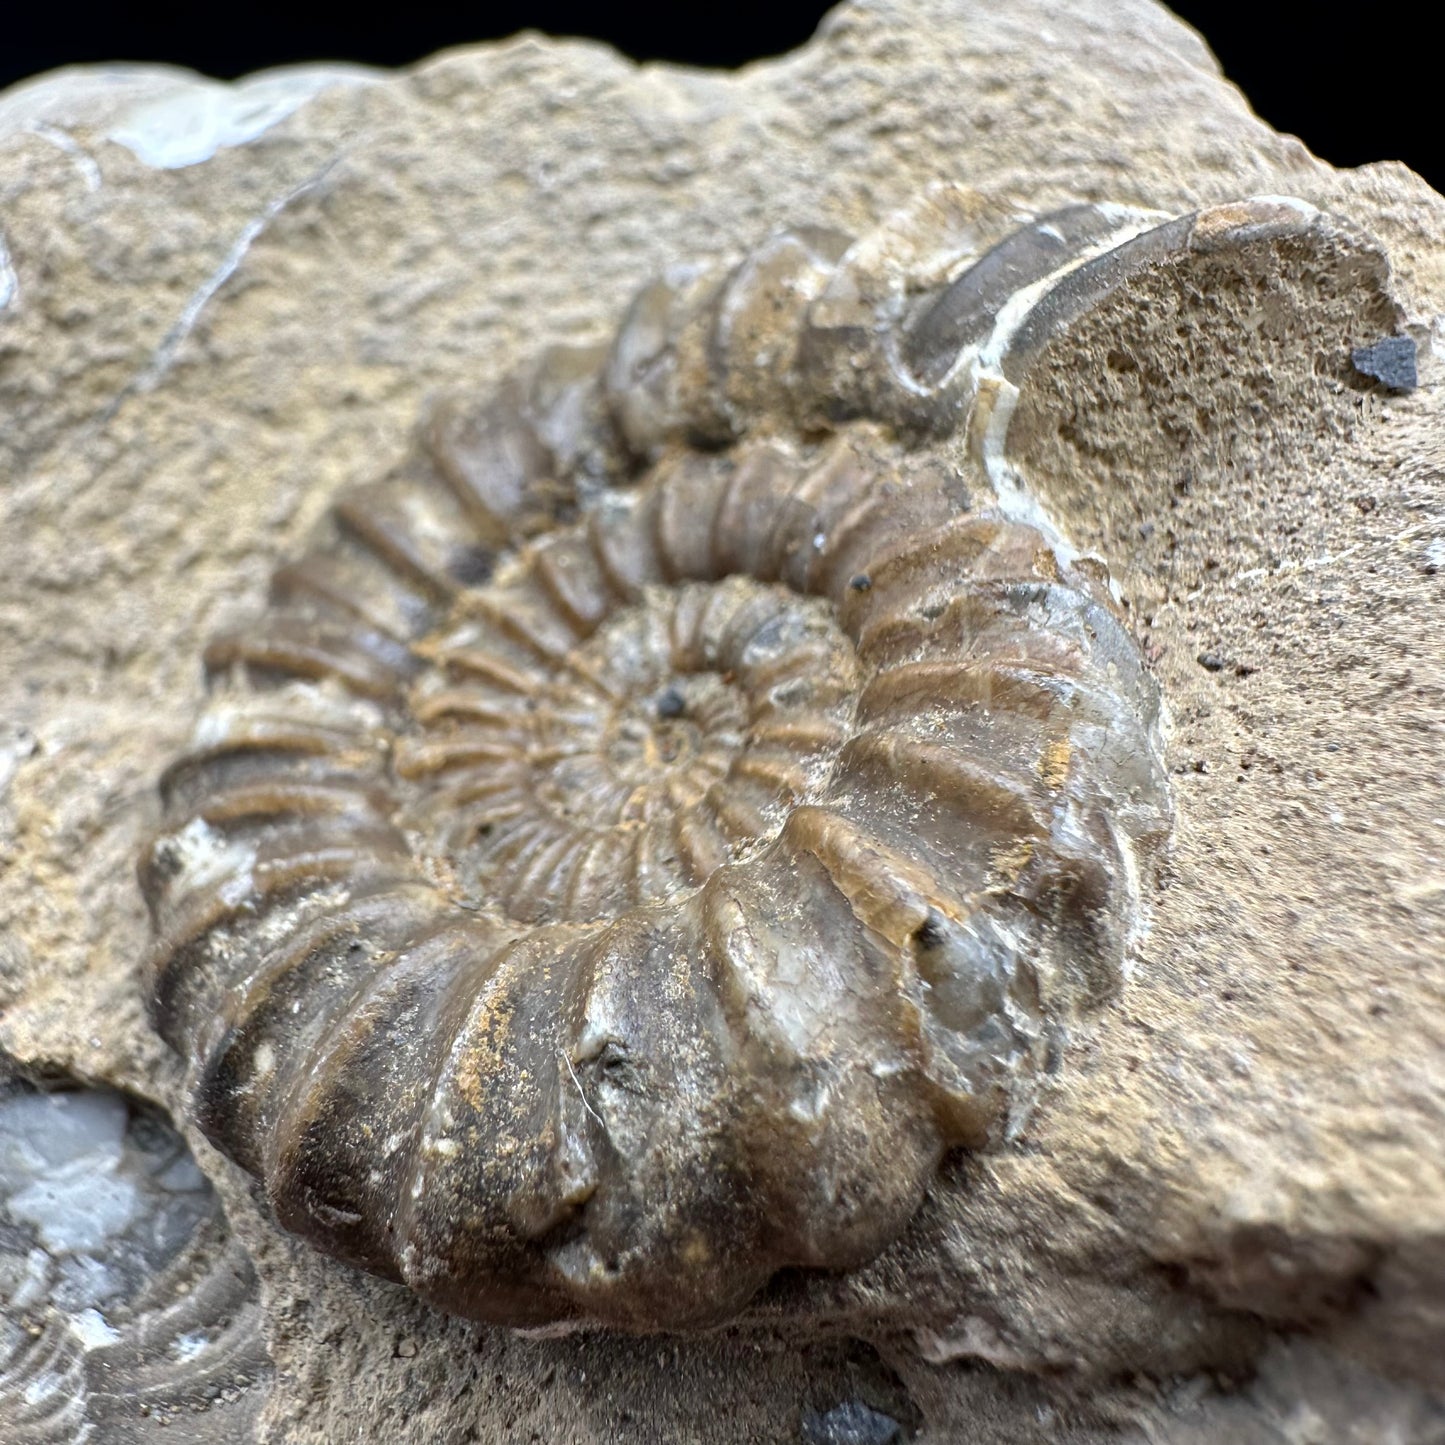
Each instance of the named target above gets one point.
<point>649,829</point>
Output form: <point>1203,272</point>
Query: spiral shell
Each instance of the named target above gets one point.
<point>649,829</point>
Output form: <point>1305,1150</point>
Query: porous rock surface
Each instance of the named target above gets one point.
<point>1226,1221</point>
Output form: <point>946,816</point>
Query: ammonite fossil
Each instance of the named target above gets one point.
<point>691,795</point>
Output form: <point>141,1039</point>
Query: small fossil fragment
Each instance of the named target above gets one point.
<point>648,830</point>
<point>123,1302</point>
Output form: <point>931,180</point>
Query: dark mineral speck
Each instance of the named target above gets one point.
<point>1211,662</point>
<point>1390,361</point>
<point>471,566</point>
<point>851,1423</point>
<point>861,582</point>
<point>671,703</point>
<point>929,933</point>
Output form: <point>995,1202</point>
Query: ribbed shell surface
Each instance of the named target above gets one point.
<point>648,830</point>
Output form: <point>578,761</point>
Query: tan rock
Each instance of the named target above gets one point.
<point>1247,1145</point>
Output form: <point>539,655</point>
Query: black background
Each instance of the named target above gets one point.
<point>1355,82</point>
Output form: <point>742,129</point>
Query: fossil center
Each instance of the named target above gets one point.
<point>670,740</point>
<point>667,740</point>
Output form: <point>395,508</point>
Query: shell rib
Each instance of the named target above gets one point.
<point>649,830</point>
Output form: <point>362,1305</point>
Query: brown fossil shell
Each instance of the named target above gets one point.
<point>648,830</point>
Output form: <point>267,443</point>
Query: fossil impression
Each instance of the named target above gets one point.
<point>649,829</point>
<point>125,1307</point>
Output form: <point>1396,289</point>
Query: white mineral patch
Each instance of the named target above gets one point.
<point>92,1330</point>
<point>188,1347</point>
<point>77,1206</point>
<point>41,1133</point>
<point>1287,203</point>
<point>9,283</point>
<point>207,858</point>
<point>24,1280</point>
<point>16,744</point>
<point>82,1281</point>
<point>165,116</point>
<point>42,1387</point>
